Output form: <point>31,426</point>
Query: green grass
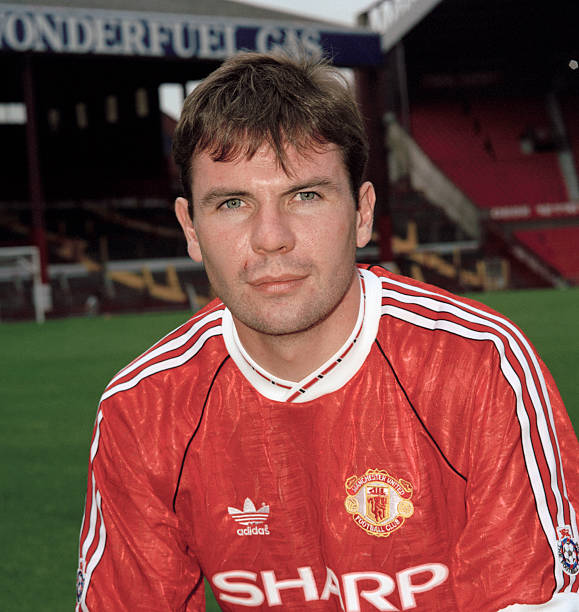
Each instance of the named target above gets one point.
<point>52,378</point>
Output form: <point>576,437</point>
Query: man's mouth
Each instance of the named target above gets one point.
<point>283,283</point>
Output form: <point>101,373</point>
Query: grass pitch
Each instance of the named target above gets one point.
<point>52,378</point>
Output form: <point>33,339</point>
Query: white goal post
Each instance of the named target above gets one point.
<point>22,263</point>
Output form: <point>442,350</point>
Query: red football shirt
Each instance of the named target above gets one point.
<point>428,465</point>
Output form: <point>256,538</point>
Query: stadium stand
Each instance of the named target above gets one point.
<point>490,95</point>
<point>478,188</point>
<point>557,246</point>
<point>428,176</point>
<point>105,260</point>
<point>85,173</point>
<point>480,145</point>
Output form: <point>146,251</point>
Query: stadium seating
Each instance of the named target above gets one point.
<point>479,146</point>
<point>557,246</point>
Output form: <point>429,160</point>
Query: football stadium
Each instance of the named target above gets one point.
<point>472,111</point>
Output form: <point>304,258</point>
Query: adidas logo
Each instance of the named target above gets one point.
<point>251,518</point>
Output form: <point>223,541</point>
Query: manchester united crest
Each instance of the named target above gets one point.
<point>379,504</point>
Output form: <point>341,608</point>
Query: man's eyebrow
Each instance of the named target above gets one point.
<point>222,193</point>
<point>310,184</point>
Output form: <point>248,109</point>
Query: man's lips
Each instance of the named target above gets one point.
<point>277,284</point>
<point>282,278</point>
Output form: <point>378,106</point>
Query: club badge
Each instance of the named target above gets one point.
<point>379,504</point>
<point>568,550</point>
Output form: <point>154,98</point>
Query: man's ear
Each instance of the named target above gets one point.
<point>365,214</point>
<point>186,223</point>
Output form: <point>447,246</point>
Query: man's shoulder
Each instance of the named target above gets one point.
<point>440,329</point>
<point>451,354</point>
<point>185,353</point>
<point>405,292</point>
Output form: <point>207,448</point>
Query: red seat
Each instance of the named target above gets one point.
<point>556,246</point>
<point>480,150</point>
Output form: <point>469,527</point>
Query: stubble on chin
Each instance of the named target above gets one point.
<point>278,317</point>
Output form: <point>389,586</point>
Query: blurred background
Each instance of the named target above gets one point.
<point>471,109</point>
<point>473,116</point>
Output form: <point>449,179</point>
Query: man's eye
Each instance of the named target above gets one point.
<point>307,195</point>
<point>232,203</point>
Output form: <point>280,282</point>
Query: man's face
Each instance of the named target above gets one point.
<point>278,248</point>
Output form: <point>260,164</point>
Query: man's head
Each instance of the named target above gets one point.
<point>255,99</point>
<point>272,153</point>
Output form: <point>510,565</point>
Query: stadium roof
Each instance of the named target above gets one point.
<point>394,18</point>
<point>525,42</point>
<point>215,8</point>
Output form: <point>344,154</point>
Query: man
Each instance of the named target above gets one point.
<point>323,436</point>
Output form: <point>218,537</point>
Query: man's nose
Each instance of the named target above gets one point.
<point>271,230</point>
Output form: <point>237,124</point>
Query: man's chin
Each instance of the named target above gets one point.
<point>269,328</point>
<point>279,328</point>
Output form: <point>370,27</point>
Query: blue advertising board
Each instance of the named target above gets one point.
<point>39,29</point>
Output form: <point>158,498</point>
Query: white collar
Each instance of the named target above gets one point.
<point>331,375</point>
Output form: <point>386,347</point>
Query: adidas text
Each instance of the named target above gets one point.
<point>253,531</point>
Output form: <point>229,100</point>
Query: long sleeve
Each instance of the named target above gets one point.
<point>521,491</point>
<point>132,555</point>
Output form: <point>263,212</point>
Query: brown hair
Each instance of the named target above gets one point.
<point>255,98</point>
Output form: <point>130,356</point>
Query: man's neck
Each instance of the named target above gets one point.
<point>293,356</point>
